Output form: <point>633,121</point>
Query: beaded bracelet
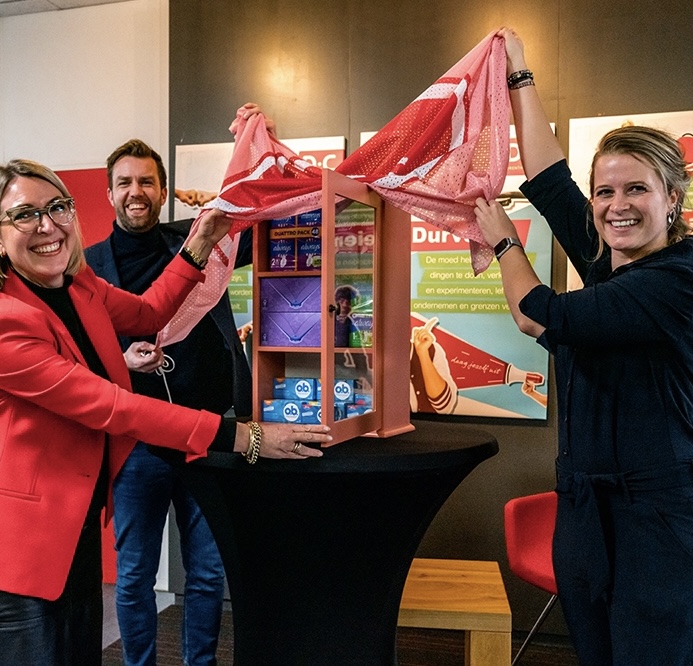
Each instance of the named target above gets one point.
<point>522,84</point>
<point>518,77</point>
<point>514,77</point>
<point>255,439</point>
<point>197,259</point>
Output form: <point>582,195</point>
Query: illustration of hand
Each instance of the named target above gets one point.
<point>422,337</point>
<point>530,390</point>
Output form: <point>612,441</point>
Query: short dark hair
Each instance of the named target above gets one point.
<point>135,148</point>
<point>347,292</point>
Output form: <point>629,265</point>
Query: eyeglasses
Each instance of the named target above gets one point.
<point>27,220</point>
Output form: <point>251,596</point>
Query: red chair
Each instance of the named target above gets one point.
<point>529,525</point>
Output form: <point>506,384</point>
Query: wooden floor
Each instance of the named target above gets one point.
<point>415,647</point>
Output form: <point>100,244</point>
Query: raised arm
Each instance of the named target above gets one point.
<point>538,145</point>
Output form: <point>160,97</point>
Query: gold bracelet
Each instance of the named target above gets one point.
<point>199,261</point>
<point>254,442</point>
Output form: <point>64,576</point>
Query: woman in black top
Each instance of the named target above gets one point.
<point>623,545</point>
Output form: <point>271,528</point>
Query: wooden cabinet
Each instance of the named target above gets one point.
<point>331,307</point>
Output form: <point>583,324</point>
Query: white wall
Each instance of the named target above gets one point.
<point>77,83</point>
<point>74,84</point>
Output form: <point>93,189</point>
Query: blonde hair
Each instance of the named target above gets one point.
<point>661,151</point>
<point>28,169</point>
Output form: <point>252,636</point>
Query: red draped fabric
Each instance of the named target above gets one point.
<point>434,159</point>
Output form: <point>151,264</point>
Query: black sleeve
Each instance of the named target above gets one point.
<point>557,197</point>
<point>244,256</point>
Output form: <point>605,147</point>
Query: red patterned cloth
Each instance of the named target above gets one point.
<point>434,159</point>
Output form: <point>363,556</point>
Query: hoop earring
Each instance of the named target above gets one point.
<point>671,217</point>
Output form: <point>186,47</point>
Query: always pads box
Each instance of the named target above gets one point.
<point>295,242</point>
<point>290,312</point>
<point>290,329</point>
<point>290,294</point>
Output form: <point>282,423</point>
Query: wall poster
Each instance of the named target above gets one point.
<point>462,332</point>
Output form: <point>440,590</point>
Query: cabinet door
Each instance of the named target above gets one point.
<point>351,217</point>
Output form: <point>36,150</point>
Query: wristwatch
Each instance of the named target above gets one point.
<point>503,246</point>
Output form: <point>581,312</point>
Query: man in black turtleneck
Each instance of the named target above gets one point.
<point>207,370</point>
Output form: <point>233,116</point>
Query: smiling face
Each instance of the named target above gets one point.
<point>41,256</point>
<point>136,193</point>
<point>630,205</point>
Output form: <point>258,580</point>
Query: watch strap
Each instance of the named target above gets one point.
<point>503,246</point>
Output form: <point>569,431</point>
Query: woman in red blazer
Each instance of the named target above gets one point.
<point>68,419</point>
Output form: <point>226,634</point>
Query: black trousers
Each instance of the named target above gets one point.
<point>645,615</point>
<point>64,632</point>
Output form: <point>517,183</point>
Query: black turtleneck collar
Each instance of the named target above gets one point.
<point>139,257</point>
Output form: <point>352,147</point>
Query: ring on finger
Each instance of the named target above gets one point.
<point>297,447</point>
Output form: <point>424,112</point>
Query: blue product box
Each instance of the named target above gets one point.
<point>287,329</point>
<point>282,222</point>
<point>364,399</point>
<point>343,387</point>
<point>357,410</point>
<point>344,390</point>
<point>290,294</point>
<point>310,219</point>
<point>294,388</point>
<point>311,411</point>
<point>281,411</point>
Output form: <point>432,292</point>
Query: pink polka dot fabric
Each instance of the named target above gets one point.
<point>434,159</point>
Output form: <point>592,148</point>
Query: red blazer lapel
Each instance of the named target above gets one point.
<point>15,287</point>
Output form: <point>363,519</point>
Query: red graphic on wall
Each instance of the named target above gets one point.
<point>88,188</point>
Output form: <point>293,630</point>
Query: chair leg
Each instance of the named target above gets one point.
<point>535,628</point>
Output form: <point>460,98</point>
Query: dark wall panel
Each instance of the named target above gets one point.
<point>346,66</point>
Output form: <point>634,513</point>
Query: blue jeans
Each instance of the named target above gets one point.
<point>142,492</point>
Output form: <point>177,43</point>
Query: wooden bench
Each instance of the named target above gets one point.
<point>461,594</point>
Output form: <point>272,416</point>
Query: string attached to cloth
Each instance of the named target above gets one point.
<point>433,160</point>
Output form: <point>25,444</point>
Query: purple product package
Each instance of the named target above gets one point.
<point>282,254</point>
<point>309,254</point>
<point>290,294</point>
<point>287,329</point>
<point>282,244</point>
